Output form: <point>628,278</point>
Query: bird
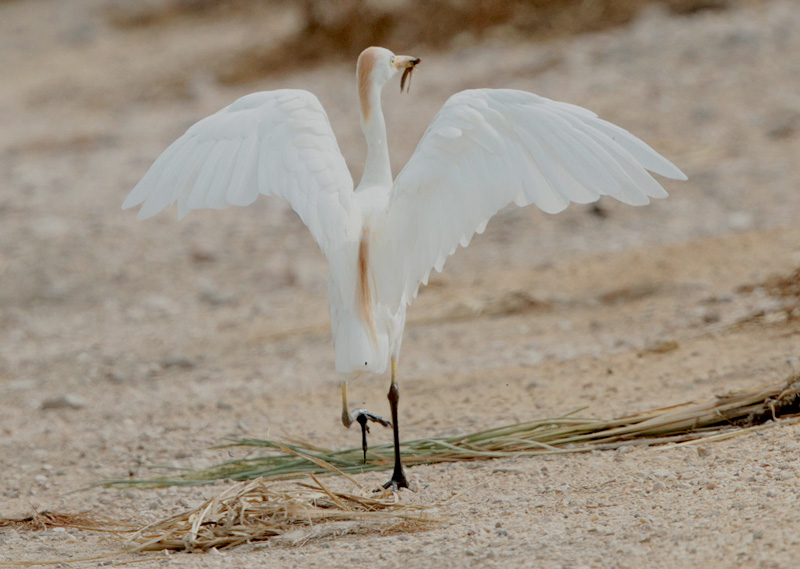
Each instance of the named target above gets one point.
<point>484,149</point>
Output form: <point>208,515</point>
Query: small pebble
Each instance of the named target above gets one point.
<point>161,304</point>
<point>62,402</point>
<point>210,294</point>
<point>177,360</point>
<point>740,220</point>
<point>203,254</point>
<point>115,377</point>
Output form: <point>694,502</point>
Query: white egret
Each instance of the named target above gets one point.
<point>485,149</point>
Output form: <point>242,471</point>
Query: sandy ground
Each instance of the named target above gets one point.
<point>125,345</point>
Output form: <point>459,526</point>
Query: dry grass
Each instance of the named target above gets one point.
<point>261,510</point>
<point>256,511</point>
<point>44,520</point>
<point>725,416</point>
<point>249,512</point>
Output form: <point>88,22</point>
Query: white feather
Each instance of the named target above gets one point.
<point>486,149</point>
<point>276,143</point>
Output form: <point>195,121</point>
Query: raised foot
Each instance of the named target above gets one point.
<point>363,417</point>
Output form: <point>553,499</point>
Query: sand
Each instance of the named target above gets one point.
<point>128,345</point>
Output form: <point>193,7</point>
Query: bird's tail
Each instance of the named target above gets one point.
<point>357,349</point>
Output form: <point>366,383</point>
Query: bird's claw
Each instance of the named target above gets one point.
<point>363,417</point>
<point>394,485</point>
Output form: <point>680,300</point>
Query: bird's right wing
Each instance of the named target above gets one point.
<point>487,148</point>
<point>275,143</point>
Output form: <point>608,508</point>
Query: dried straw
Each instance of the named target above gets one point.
<point>46,519</point>
<point>257,511</point>
<point>723,417</point>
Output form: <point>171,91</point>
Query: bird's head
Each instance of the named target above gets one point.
<point>376,66</point>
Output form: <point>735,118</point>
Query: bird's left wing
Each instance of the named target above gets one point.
<point>276,143</point>
<point>487,148</point>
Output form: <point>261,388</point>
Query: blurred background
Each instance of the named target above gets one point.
<point>94,304</point>
<point>125,344</point>
<point>93,90</point>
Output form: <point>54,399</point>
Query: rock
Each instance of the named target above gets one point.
<point>209,293</point>
<point>740,221</point>
<point>782,124</point>
<point>659,347</point>
<point>116,377</point>
<point>162,304</point>
<point>54,291</point>
<point>63,402</point>
<point>203,254</point>
<point>177,360</point>
<point>663,473</point>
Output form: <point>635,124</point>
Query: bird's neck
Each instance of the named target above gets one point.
<point>377,169</point>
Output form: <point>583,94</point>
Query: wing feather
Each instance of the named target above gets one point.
<point>274,143</point>
<point>487,148</point>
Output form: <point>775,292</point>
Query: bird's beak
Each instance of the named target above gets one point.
<point>407,64</point>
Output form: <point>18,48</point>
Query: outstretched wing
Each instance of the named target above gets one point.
<point>276,143</point>
<point>487,148</point>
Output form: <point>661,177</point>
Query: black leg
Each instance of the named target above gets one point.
<point>362,420</point>
<point>398,479</point>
